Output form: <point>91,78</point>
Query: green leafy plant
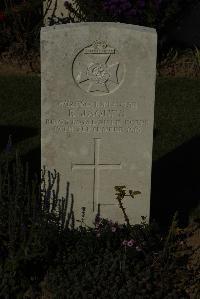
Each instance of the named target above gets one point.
<point>121,193</point>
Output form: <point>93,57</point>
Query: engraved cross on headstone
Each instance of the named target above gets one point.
<point>96,166</point>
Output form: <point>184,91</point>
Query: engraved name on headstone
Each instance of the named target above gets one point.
<point>98,90</point>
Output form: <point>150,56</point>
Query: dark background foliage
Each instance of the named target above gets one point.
<point>20,21</point>
<point>164,15</point>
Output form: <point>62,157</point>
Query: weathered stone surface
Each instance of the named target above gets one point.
<point>98,89</point>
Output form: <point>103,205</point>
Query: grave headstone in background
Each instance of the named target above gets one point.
<point>98,89</point>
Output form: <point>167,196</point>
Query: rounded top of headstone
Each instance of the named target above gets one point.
<point>100,24</point>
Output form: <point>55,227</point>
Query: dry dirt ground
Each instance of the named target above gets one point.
<point>180,63</point>
<point>12,66</point>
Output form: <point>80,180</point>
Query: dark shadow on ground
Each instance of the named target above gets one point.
<point>17,133</point>
<point>176,184</point>
<point>34,161</point>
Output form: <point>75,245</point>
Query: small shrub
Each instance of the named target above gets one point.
<point>30,228</point>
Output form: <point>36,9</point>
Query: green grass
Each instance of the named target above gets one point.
<point>20,101</point>
<point>177,110</point>
<point>177,113</point>
<point>20,108</point>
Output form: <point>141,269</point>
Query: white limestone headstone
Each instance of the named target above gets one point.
<point>98,90</point>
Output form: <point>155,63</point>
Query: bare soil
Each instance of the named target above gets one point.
<point>186,64</point>
<point>10,65</point>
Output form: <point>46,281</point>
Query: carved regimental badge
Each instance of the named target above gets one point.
<point>98,69</point>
